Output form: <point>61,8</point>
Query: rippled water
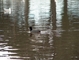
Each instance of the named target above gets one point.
<point>17,44</point>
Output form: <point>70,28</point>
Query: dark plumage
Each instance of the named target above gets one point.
<point>30,28</point>
<point>33,31</point>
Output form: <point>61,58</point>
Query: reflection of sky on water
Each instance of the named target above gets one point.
<point>73,9</point>
<point>59,11</point>
<point>5,52</point>
<point>39,9</point>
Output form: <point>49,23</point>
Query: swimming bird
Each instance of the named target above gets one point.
<point>38,31</point>
<point>7,11</point>
<point>33,31</point>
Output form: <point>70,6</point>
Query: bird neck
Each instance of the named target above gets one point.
<point>30,28</point>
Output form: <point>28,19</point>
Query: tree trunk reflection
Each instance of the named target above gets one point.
<point>65,21</point>
<point>53,13</point>
<point>26,12</point>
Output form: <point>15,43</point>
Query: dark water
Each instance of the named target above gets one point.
<point>17,44</point>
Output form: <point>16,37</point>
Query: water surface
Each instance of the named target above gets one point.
<point>17,44</point>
